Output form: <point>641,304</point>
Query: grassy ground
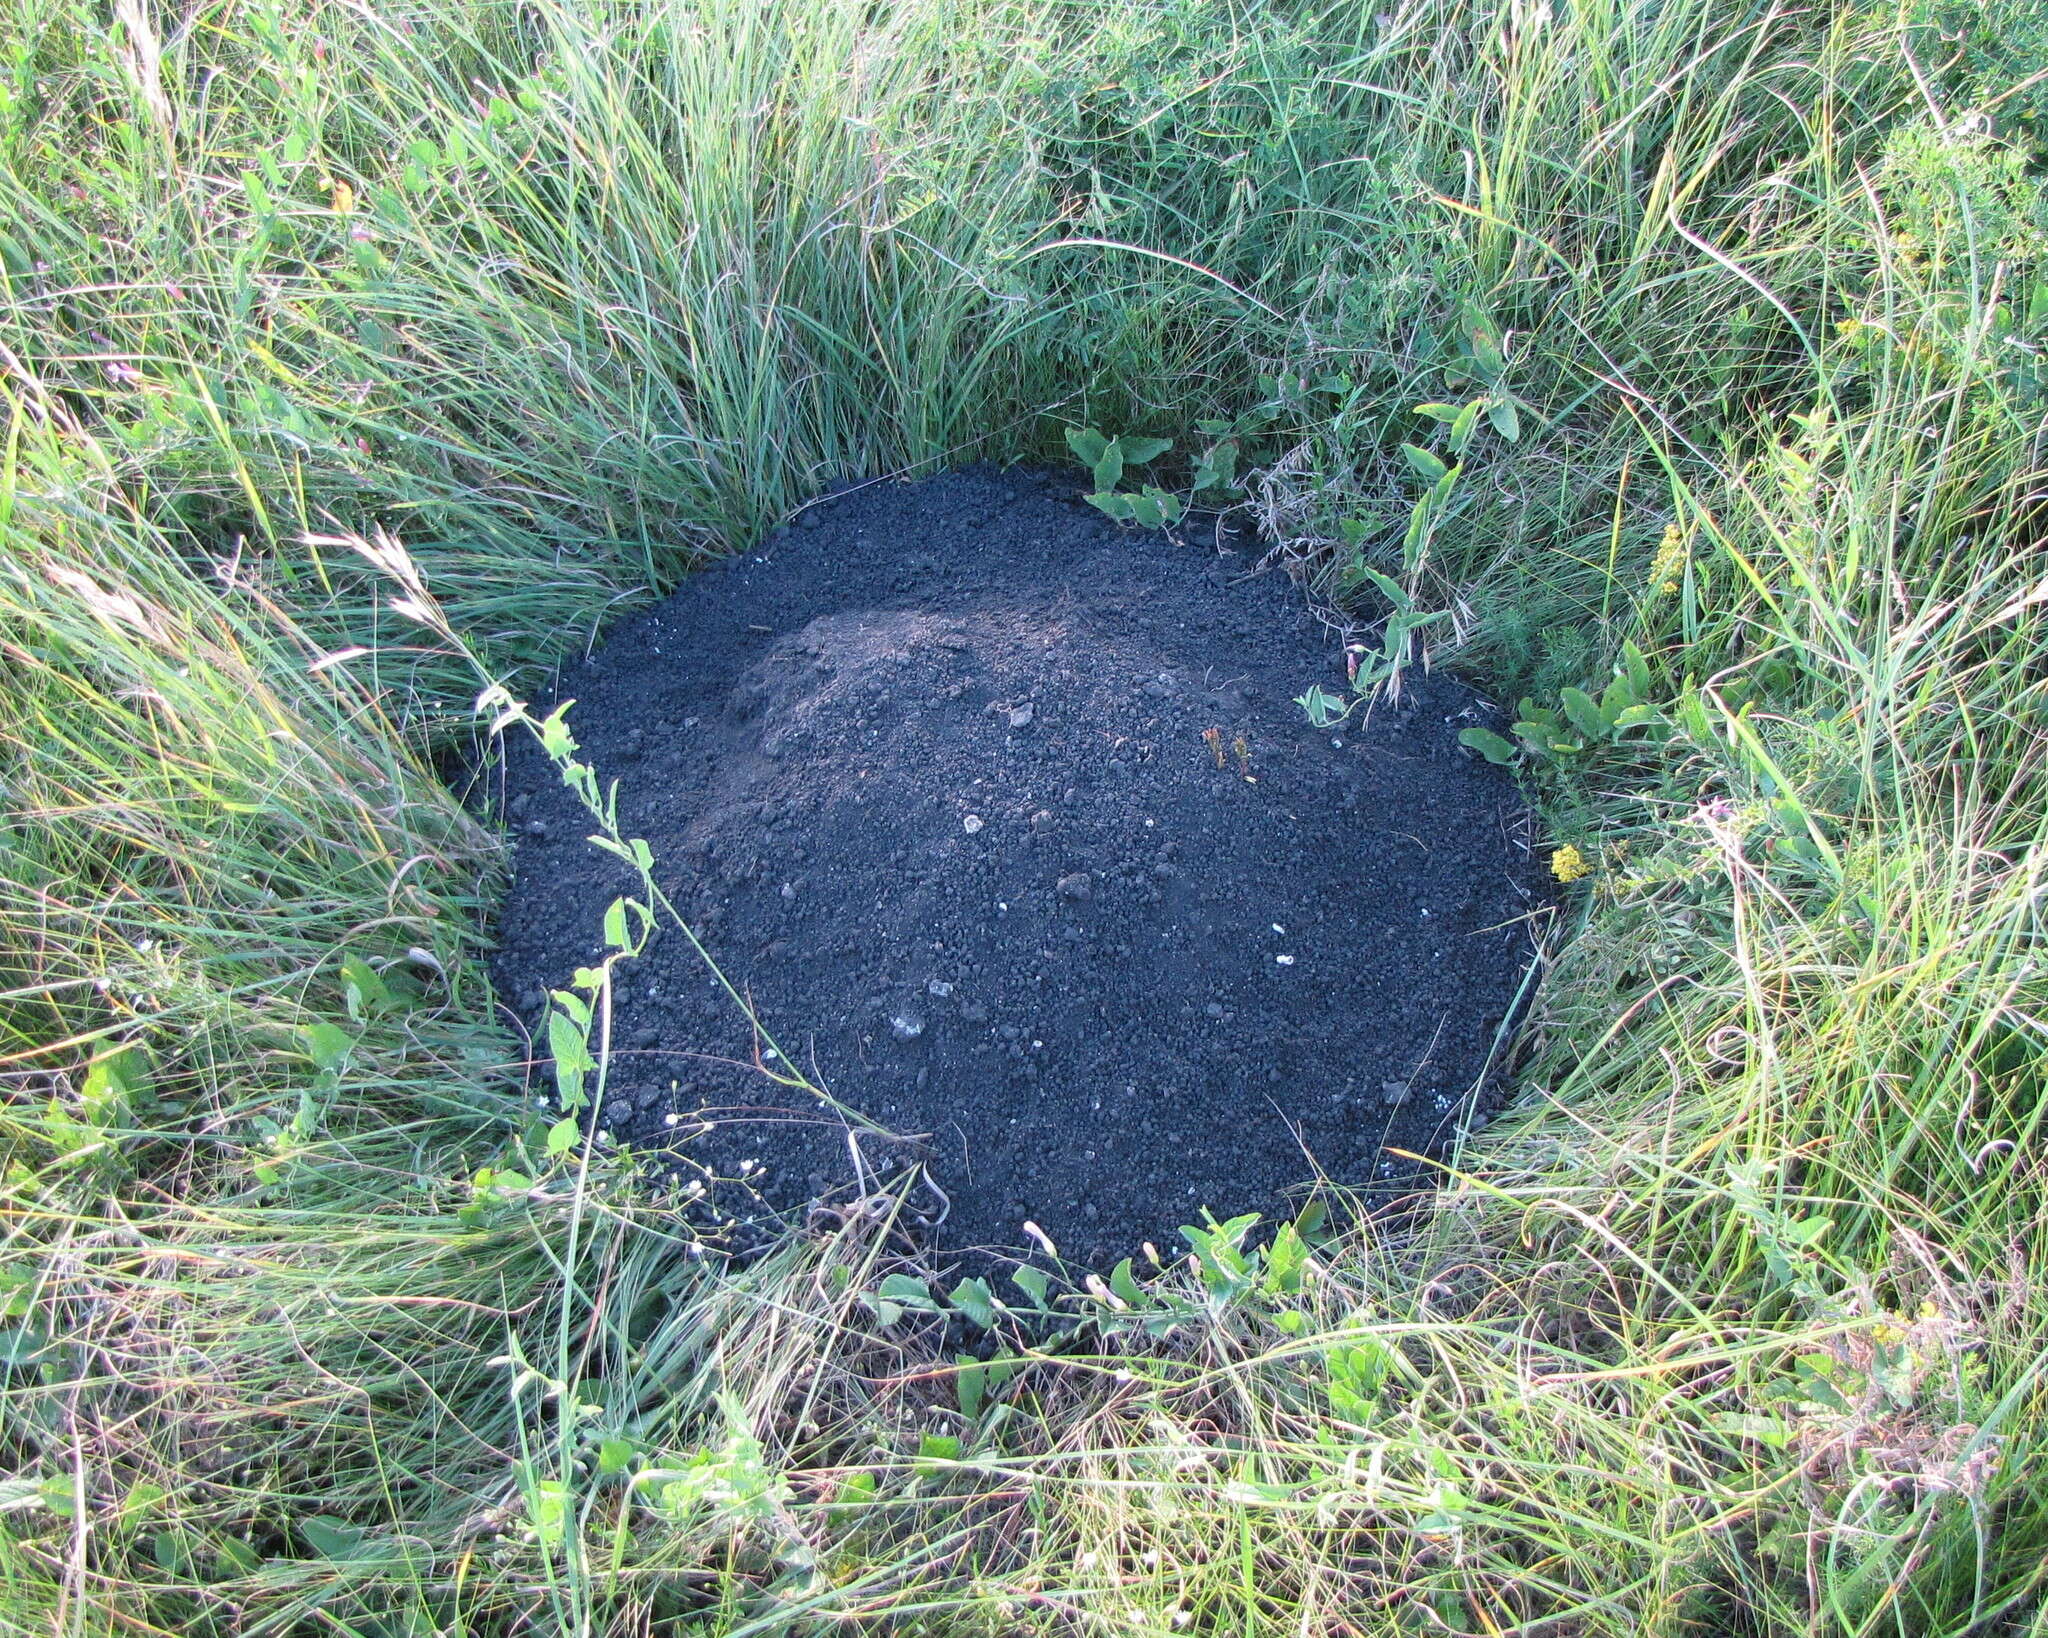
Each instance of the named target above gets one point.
<point>308,1324</point>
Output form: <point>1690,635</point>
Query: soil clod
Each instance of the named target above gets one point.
<point>1050,786</point>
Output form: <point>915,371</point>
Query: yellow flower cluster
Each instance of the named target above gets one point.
<point>1669,562</point>
<point>1568,864</point>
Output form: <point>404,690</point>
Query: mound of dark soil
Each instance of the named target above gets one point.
<point>1004,819</point>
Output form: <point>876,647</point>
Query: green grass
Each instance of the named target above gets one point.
<point>1736,1326</point>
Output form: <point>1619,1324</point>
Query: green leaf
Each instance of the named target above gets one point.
<point>1171,506</point>
<point>1363,1366</point>
<point>855,1492</point>
<point>20,1344</point>
<point>1146,510</point>
<point>934,1450</point>
<point>1816,1381</point>
<point>1489,745</point>
<point>911,1293</point>
<point>1312,1223</point>
<point>1585,715</point>
<point>571,1054</point>
<point>330,1538</point>
<point>1616,698</point>
<point>1418,531</point>
<point>1347,1404</point>
<point>1219,1251</point>
<point>1137,451</point>
<point>1125,1284</point>
<point>973,1298</point>
<point>113,1082</point>
<point>615,925</point>
<point>1443,414</point>
<point>1765,1430</point>
<point>1636,669</point>
<point>1088,445</point>
<point>1324,709</point>
<point>18,1494</point>
<point>1218,468</point>
<point>1463,427</point>
<point>1033,1282</point>
<point>555,738</point>
<point>969,1382</point>
<point>1109,468</point>
<point>1424,463</point>
<point>1483,337</point>
<point>547,1511</point>
<point>1285,1260</point>
<point>562,1136</point>
<point>1390,588</point>
<point>328,1045</point>
<point>143,1497</point>
<point>1246,1492</point>
<point>1506,422</point>
<point>363,991</point>
<point>1117,507</point>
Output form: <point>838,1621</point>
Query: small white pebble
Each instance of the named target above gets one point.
<point>671,1119</point>
<point>971,824</point>
<point>770,1052</point>
<point>1278,928</point>
<point>1284,961</point>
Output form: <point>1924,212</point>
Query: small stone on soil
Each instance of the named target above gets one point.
<point>906,1026</point>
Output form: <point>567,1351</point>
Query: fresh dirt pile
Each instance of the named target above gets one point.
<point>1005,821</point>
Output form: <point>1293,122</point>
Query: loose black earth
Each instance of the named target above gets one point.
<point>1004,819</point>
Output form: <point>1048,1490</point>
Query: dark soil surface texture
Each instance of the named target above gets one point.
<point>1006,822</point>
